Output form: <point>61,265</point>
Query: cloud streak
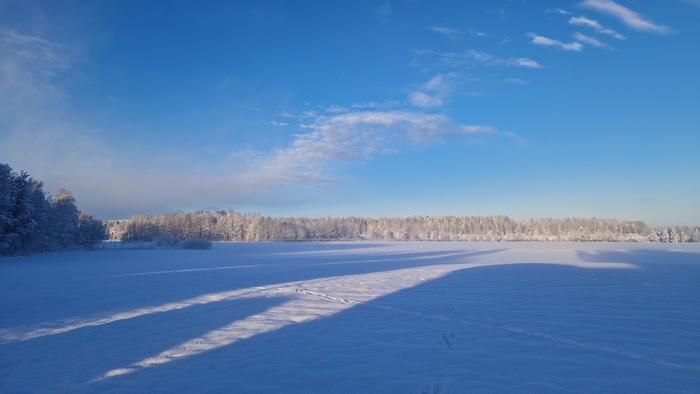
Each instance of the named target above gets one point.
<point>447,31</point>
<point>626,16</point>
<point>492,60</point>
<point>453,32</point>
<point>537,39</point>
<point>595,25</point>
<point>353,136</point>
<point>588,40</point>
<point>476,57</point>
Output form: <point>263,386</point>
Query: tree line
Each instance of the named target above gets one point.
<point>32,221</point>
<point>246,227</point>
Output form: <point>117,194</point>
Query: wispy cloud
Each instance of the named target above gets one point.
<point>695,3</point>
<point>479,33</point>
<point>558,11</point>
<point>434,92</point>
<point>537,39</point>
<point>424,100</point>
<point>327,140</point>
<point>440,83</point>
<point>588,40</point>
<point>374,105</point>
<point>335,109</point>
<point>523,62</point>
<point>476,129</point>
<point>454,32</point>
<point>28,67</point>
<point>595,25</point>
<point>447,31</point>
<point>473,56</point>
<point>492,60</point>
<point>39,53</point>
<point>628,17</point>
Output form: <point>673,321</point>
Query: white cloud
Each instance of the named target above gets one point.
<point>437,82</point>
<point>558,11</point>
<point>479,33</point>
<point>595,25</point>
<point>524,62</point>
<point>424,100</point>
<point>693,2</point>
<point>473,56</point>
<point>492,60</point>
<point>348,137</point>
<point>453,32</point>
<point>476,129</point>
<point>550,42</point>
<point>443,84</point>
<point>434,92</point>
<point>336,109</point>
<point>588,40</point>
<point>628,17</point>
<point>447,31</point>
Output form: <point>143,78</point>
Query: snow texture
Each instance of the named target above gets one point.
<point>422,317</point>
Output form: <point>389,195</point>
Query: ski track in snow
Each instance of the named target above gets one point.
<point>376,276</point>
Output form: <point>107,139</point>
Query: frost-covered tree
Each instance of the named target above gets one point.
<point>29,221</point>
<point>244,227</point>
<point>8,196</point>
<point>63,221</point>
<point>29,216</point>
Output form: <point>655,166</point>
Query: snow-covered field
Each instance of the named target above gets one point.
<point>354,317</point>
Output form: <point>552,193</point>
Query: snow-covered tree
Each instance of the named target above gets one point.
<point>63,222</point>
<point>29,221</point>
<point>242,227</point>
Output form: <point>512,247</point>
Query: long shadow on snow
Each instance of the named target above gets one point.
<point>71,359</point>
<point>529,327</point>
<point>125,293</point>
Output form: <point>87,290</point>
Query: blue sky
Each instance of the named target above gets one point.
<point>372,108</point>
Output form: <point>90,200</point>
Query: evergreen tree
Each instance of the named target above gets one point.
<point>31,222</point>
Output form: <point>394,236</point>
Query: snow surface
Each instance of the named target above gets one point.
<point>354,317</point>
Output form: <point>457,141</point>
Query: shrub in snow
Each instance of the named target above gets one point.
<point>196,244</point>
